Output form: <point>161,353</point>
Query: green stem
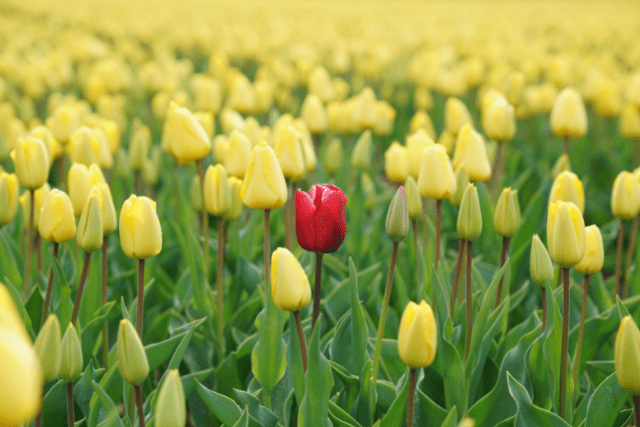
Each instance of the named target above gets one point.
<point>564,345</point>
<point>631,249</point>
<point>138,391</point>
<point>503,257</point>
<point>636,405</point>
<point>38,247</point>
<point>140,308</point>
<point>497,167</point>
<point>220,283</point>
<point>456,276</point>
<point>414,225</point>
<point>616,283</point>
<point>425,226</point>
<point>383,315</point>
<point>47,295</point>
<point>412,389</point>
<point>26,278</point>
<point>467,344</point>
<point>105,326</point>
<point>267,256</point>
<point>565,146</point>
<point>438,226</point>
<point>544,307</point>
<point>70,415</point>
<point>317,289</point>
<point>205,223</point>
<point>83,279</point>
<point>301,340</point>
<point>583,311</point>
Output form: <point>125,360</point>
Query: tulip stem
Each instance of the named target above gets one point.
<point>205,224</point>
<point>456,276</point>
<point>47,295</point>
<point>467,344</point>
<point>425,226</point>
<point>38,245</point>
<point>576,362</point>
<point>267,253</point>
<point>27,264</point>
<point>383,314</point>
<point>438,226</point>
<point>414,225</point>
<point>497,167</point>
<point>105,326</point>
<point>565,146</point>
<point>636,405</point>
<point>503,257</point>
<point>83,279</point>
<point>631,249</point>
<point>544,307</point>
<point>70,415</point>
<point>412,389</point>
<point>220,282</point>
<point>317,290</point>
<point>38,422</point>
<point>140,297</point>
<point>288,220</point>
<point>138,391</point>
<point>301,340</point>
<point>564,345</point>
<point>616,283</point>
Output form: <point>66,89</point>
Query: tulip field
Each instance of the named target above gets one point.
<point>337,213</point>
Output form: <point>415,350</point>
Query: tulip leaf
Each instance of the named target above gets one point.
<point>452,418</point>
<point>223,407</point>
<point>622,308</point>
<point>428,413</point>
<point>294,359</point>
<point>365,403</point>
<point>359,330</point>
<point>605,403</point>
<point>243,421</point>
<point>314,408</point>
<point>340,417</point>
<point>8,265</point>
<point>397,413</point>
<point>93,329</point>
<point>552,346</point>
<point>108,381</point>
<point>112,417</point>
<point>454,377</point>
<point>54,406</point>
<point>528,414</point>
<point>91,297</point>
<point>83,390</point>
<point>252,404</point>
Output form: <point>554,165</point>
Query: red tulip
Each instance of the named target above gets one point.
<point>321,219</point>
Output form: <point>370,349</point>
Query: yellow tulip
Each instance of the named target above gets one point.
<point>206,120</point>
<point>333,156</point>
<point>31,162</point>
<point>235,206</point>
<point>132,359</point>
<point>470,217</point>
<point>107,209</point>
<point>314,114</point>
<point>9,316</point>
<point>151,166</point>
<point>540,266</point>
<point>9,194</point>
<point>507,218</point>
<point>237,154</point>
<point>417,336</point>
<point>414,202</point>
<point>139,147</point>
<point>625,196</point>
<point>416,143</point>
<point>436,179</point>
<point>499,120</point>
<point>629,121</point>
<point>397,220</point>
<point>171,410</point>
<point>86,147</point>
<point>89,234</point>
<point>64,120</point>
<point>362,151</point>
<point>217,198</point>
<point>48,348</point>
<point>288,150</point>
<point>396,162</point>
<point>46,136</point>
<point>57,222</point>
<point>568,115</point>
<point>593,258</point>
<point>308,151</point>
<point>456,115</point>
<point>140,231</point>
<point>472,152</point>
<point>80,181</point>
<point>565,234</point>
<point>422,120</point>
<point>567,187</point>
<point>263,186</point>
<point>626,356</point>
<point>185,137</point>
<point>290,287</point>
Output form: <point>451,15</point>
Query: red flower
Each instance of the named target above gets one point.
<point>321,219</point>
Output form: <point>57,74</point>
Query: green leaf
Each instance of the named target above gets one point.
<point>397,413</point>
<point>452,418</point>
<point>252,404</point>
<point>606,403</point>
<point>243,421</point>
<point>8,265</point>
<point>364,406</point>
<point>83,390</point>
<point>340,417</point>
<point>223,407</point>
<point>112,417</point>
<point>454,378</point>
<point>528,414</point>
<point>93,329</point>
<point>429,413</point>
<point>294,357</point>
<point>359,330</point>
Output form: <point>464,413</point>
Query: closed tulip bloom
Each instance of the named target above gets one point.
<point>629,121</point>
<point>132,359</point>
<point>288,150</point>
<point>217,198</point>
<point>321,218</point>
<point>9,195</point>
<point>540,266</point>
<point>506,219</point>
<point>80,181</point>
<point>397,221</point>
<point>625,196</point>
<point>561,165</point>
<point>626,356</point>
<point>417,336</point>
<point>436,179</point>
<point>396,162</point>
<point>220,146</point>
<point>139,147</point>
<point>40,195</point>
<point>46,136</point>
<point>171,409</point>
<point>140,231</point>
<point>205,118</point>
<point>470,217</point>
<point>89,234</point>
<point>333,156</point>
<point>48,348</point>
<point>186,138</point>
<point>83,146</point>
<point>314,114</point>
<point>308,150</point>
<point>414,202</point>
<point>263,186</point>
<point>499,120</point>
<point>386,116</point>
<point>235,205</point>
<point>107,209</point>
<point>237,154</point>
<point>462,182</point>
<point>456,115</point>
<point>565,234</point>
<point>472,152</point>
<point>448,141</point>
<point>21,385</point>
<point>57,222</point>
<point>567,187</point>
<point>416,143</point>
<point>568,115</point>
<point>31,162</point>
<point>365,109</point>
<point>593,258</point>
<point>422,120</point>
<point>290,287</point>
<point>362,151</point>
<point>607,98</point>
<point>71,355</point>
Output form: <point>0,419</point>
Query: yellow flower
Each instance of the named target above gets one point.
<point>396,162</point>
<point>57,222</point>
<point>89,234</point>
<point>86,147</point>
<point>540,266</point>
<point>472,152</point>
<point>507,218</point>
<point>417,339</point>
<point>456,115</point>
<point>139,147</point>
<point>416,143</point>
<point>625,196</point>
<point>362,151</point>
<point>567,187</point>
<point>140,231</point>
<point>593,257</point>
<point>235,206</point>
<point>107,209</point>
<point>333,156</point>
<point>288,150</point>
<point>185,137</point>
<point>626,356</point>
<point>205,118</point>
<point>64,120</point>
<point>436,179</point>
<point>9,316</point>
<point>422,120</point>
<point>565,234</point>
<point>47,347</point>
<point>568,115</point>
<point>397,221</point>
<point>499,120</point>
<point>263,186</point>
<point>217,198</point>
<point>151,166</point>
<point>40,195</point>
<point>629,121</point>
<point>237,154</point>
<point>308,151</point>
<point>31,162</point>
<point>80,181</point>
<point>46,136</point>
<point>171,410</point>
<point>290,287</point>
<point>71,355</point>
<point>561,165</point>
<point>470,217</point>
<point>9,194</point>
<point>314,114</point>
<point>132,359</point>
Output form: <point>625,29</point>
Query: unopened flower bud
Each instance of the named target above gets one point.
<point>171,410</point>
<point>593,258</point>
<point>71,355</point>
<point>48,348</point>
<point>414,202</point>
<point>132,359</point>
<point>89,234</point>
<point>290,287</point>
<point>470,216</point>
<point>540,266</point>
<point>625,196</point>
<point>397,222</point>
<point>626,356</point>
<point>507,218</point>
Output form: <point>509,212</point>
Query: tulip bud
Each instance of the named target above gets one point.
<point>414,202</point>
<point>64,120</point>
<point>396,162</point>
<point>290,287</point>
<point>333,156</point>
<point>447,140</point>
<point>416,143</point>
<point>314,114</point>
<point>362,151</point>
<point>568,115</point>
<point>80,180</point>
<point>470,216</point>
<point>565,234</point>
<point>132,359</point>
<point>242,95</point>
<point>39,197</point>
<point>308,151</point>
<point>122,164</point>
<point>140,231</point>
<point>472,152</point>
<point>397,222</point>
<point>151,166</point>
<point>567,187</point>
<point>107,209</point>
<point>9,194</point>
<point>237,155</point>
<point>196,193</point>
<point>263,186</point>
<point>417,336</point>
<point>436,179</point>
<point>139,147</point>
<point>56,222</point>
<point>499,120</point>
<point>216,190</point>
<point>422,120</point>
<point>507,218</point>
<point>31,162</point>
<point>205,118</point>
<point>185,137</point>
<point>607,97</point>
<point>46,136</point>
<point>288,150</point>
<point>321,219</point>
<point>462,182</point>
<point>625,196</point>
<point>235,205</point>
<point>171,410</point>
<point>386,116</point>
<point>220,146</point>
<point>456,115</point>
<point>629,121</point>
<point>71,355</point>
<point>47,347</point>
<point>626,356</point>
<point>540,264</point>
<point>89,235</point>
<point>561,165</point>
<point>365,109</point>
<point>593,258</point>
